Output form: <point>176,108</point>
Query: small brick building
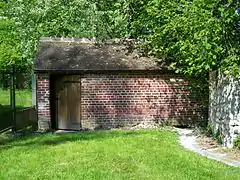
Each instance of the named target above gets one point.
<point>82,84</point>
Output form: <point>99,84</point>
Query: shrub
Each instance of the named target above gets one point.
<point>236,143</point>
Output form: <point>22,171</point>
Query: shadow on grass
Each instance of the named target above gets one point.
<point>50,139</point>
<point>5,117</point>
<point>24,117</point>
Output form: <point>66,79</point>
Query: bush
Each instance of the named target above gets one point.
<point>236,143</point>
<point>216,135</point>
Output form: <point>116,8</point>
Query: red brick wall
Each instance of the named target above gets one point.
<point>126,100</point>
<point>43,101</point>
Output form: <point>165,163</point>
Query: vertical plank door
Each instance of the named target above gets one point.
<point>68,102</point>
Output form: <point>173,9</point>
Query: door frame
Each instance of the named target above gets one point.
<point>53,105</point>
<point>54,100</point>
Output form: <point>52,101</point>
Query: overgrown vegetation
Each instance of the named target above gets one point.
<point>236,143</point>
<point>216,135</point>
<point>194,37</point>
<point>9,43</point>
<point>96,155</point>
<point>10,52</point>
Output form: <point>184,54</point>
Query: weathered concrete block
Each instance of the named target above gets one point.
<point>224,108</point>
<point>44,123</point>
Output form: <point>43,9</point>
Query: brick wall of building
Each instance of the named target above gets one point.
<point>117,100</point>
<point>43,101</point>
<point>127,100</point>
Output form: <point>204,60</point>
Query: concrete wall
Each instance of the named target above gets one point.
<point>224,107</point>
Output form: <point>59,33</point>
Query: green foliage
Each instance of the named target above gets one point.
<point>194,37</point>
<point>209,130</point>
<point>236,143</point>
<point>10,53</point>
<point>56,18</point>
<point>217,136</point>
<point>9,45</point>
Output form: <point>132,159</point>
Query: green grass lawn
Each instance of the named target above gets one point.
<point>106,155</point>
<point>23,98</point>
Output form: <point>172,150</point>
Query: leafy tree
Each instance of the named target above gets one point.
<point>195,36</point>
<point>70,18</point>
<point>9,43</point>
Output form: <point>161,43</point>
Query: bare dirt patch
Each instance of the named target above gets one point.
<point>212,145</point>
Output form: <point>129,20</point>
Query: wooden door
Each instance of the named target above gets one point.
<point>68,97</point>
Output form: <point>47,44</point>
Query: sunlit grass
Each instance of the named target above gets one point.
<point>107,155</point>
<point>23,98</point>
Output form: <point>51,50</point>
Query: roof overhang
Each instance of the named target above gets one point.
<point>71,54</point>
